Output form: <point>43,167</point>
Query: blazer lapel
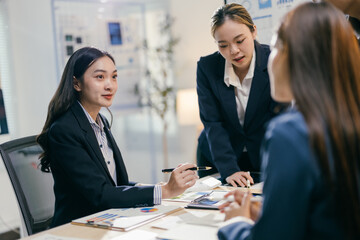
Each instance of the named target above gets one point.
<point>227,96</point>
<point>259,84</point>
<point>90,136</point>
<point>122,176</point>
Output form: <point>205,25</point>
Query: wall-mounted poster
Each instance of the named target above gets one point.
<point>115,33</point>
<point>267,14</point>
<point>116,27</point>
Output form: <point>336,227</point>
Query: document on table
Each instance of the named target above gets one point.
<point>203,186</point>
<point>125,219</point>
<point>186,231</point>
<point>137,234</point>
<point>213,200</point>
<point>209,201</point>
<point>187,196</point>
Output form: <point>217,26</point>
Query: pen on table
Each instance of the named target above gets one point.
<point>198,199</point>
<point>169,170</point>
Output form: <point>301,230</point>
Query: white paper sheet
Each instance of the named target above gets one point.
<point>137,234</point>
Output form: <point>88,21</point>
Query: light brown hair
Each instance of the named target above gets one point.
<point>233,11</point>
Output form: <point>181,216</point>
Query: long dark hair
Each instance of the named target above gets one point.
<point>324,61</point>
<point>66,95</point>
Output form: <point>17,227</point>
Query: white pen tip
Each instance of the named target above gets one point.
<point>230,198</point>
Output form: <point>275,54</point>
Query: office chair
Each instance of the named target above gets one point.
<point>33,188</point>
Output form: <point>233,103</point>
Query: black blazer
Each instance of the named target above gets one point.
<point>223,138</point>
<point>82,182</point>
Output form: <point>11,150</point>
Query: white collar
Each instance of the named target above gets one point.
<point>98,121</point>
<point>230,77</point>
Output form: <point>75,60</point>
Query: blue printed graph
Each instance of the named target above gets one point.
<point>264,4</point>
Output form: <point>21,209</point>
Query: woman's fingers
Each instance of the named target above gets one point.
<point>239,179</point>
<point>183,167</point>
<point>248,177</point>
<point>189,178</point>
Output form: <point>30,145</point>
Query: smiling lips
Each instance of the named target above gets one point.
<point>109,96</point>
<point>239,59</point>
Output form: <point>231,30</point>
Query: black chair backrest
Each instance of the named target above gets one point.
<point>33,188</point>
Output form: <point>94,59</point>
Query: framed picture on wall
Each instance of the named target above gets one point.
<point>115,33</point>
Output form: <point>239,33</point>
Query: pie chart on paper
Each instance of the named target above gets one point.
<point>146,210</point>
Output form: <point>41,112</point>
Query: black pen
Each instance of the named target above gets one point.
<point>169,170</point>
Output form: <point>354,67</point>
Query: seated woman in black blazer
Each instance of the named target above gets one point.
<point>80,151</point>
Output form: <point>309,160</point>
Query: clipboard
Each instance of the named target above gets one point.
<point>125,219</point>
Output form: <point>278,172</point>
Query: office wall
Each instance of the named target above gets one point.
<point>32,48</point>
<point>192,25</point>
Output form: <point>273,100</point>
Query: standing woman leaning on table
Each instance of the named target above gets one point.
<point>311,154</point>
<point>234,97</point>
<point>80,151</point>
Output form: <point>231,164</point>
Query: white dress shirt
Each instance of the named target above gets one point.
<point>105,148</point>
<point>108,154</point>
<point>242,90</point>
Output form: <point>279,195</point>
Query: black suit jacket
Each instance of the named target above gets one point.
<point>223,137</point>
<point>82,182</point>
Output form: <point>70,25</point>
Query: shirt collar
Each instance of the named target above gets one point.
<point>230,77</point>
<point>98,121</point>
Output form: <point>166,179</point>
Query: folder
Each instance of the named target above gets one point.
<point>125,219</point>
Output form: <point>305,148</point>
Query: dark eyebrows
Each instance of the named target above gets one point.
<point>103,71</point>
<point>223,41</point>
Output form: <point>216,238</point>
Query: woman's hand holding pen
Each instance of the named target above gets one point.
<point>239,179</point>
<point>181,179</point>
<point>241,205</point>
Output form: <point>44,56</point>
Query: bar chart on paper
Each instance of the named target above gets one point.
<point>125,219</point>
